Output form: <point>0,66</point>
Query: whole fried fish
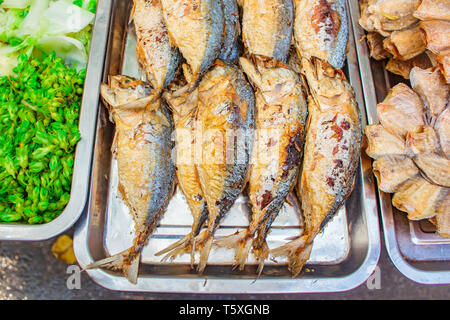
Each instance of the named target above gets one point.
<point>230,50</point>
<point>226,118</point>
<point>196,27</point>
<point>267,27</point>
<point>142,147</point>
<point>280,126</point>
<point>331,155</point>
<point>321,30</point>
<point>159,57</point>
<point>184,107</point>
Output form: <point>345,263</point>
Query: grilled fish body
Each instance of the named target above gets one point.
<point>267,27</point>
<point>230,50</point>
<point>142,147</point>
<point>159,57</point>
<point>321,30</point>
<point>196,27</point>
<point>226,117</point>
<point>331,156</point>
<point>184,106</point>
<point>280,123</point>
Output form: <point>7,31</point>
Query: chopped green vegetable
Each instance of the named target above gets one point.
<point>39,111</point>
<point>29,26</point>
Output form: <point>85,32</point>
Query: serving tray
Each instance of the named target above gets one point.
<point>83,151</point>
<point>343,256</point>
<point>414,247</point>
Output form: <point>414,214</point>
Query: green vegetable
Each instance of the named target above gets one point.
<point>39,112</point>
<point>28,27</point>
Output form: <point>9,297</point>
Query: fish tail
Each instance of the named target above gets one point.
<point>126,261</point>
<point>261,253</point>
<point>180,247</point>
<point>241,241</point>
<point>297,252</point>
<point>203,243</point>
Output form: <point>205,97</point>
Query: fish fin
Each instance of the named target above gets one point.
<point>241,241</point>
<point>120,262</point>
<point>297,251</point>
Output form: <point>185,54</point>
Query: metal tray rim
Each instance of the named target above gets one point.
<point>84,149</point>
<point>417,275</point>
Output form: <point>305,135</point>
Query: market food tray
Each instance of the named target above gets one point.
<point>413,246</point>
<point>83,152</point>
<point>343,256</point>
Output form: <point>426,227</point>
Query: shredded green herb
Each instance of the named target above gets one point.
<point>39,112</point>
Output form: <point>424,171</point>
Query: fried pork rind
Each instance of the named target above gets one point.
<point>393,172</point>
<point>443,60</point>
<point>384,16</point>
<point>443,217</point>
<point>405,44</point>
<point>437,35</point>
<point>431,86</point>
<point>422,142</point>
<point>433,10</point>
<point>442,128</point>
<point>404,67</point>
<point>401,111</point>
<point>411,150</point>
<point>382,143</point>
<point>375,43</point>
<point>435,167</point>
<point>419,198</point>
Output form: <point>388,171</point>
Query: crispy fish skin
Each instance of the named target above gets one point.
<point>143,149</point>
<point>280,127</point>
<point>331,156</point>
<point>226,117</point>
<point>183,104</point>
<point>230,50</point>
<point>155,52</point>
<point>267,27</point>
<point>321,30</point>
<point>196,27</point>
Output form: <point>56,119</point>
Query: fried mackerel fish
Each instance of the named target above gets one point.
<point>331,156</point>
<point>223,139</point>
<point>410,147</point>
<point>184,106</point>
<point>280,128</point>
<point>196,27</point>
<point>321,30</point>
<point>267,27</point>
<point>142,146</point>
<point>156,54</point>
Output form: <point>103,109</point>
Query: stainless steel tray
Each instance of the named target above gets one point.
<point>83,152</point>
<point>413,246</point>
<point>344,254</point>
